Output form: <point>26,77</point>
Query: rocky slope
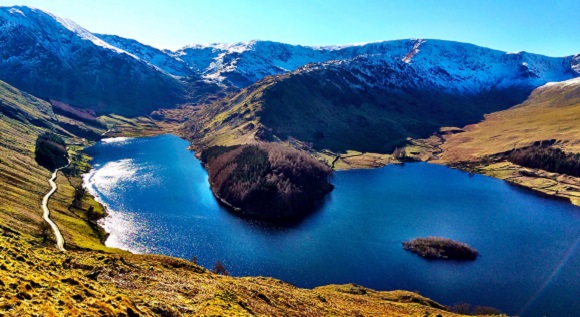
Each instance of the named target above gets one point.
<point>372,103</point>
<point>55,58</point>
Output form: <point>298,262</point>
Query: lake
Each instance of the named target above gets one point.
<point>159,201</point>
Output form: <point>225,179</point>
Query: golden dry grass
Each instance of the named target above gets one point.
<point>551,112</point>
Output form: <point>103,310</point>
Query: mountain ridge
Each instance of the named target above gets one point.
<point>152,55</point>
<point>55,58</point>
<point>384,98</point>
<point>245,62</point>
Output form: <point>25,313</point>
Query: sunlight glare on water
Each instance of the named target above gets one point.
<point>104,181</point>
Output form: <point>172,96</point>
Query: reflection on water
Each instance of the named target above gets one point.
<point>159,202</point>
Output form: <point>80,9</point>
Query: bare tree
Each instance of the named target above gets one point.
<point>219,268</point>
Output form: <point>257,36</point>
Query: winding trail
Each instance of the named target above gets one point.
<point>46,211</point>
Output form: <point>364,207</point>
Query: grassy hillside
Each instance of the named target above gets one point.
<point>43,282</point>
<point>551,113</point>
<point>337,109</point>
<point>24,181</point>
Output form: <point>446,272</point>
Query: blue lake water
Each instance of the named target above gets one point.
<point>160,202</point>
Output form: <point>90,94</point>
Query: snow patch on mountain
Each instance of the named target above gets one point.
<point>242,64</point>
<point>453,67</point>
<point>16,11</point>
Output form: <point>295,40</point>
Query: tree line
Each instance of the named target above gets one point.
<point>548,158</point>
<point>50,151</point>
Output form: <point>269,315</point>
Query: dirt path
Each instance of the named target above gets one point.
<point>46,211</point>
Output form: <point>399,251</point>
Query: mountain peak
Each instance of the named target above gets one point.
<point>38,18</point>
<point>53,57</point>
<point>235,47</point>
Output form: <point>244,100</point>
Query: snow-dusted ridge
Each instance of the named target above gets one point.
<point>160,59</point>
<point>242,64</point>
<point>29,16</point>
<point>21,12</point>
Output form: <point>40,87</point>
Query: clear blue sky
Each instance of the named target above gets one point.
<point>550,27</point>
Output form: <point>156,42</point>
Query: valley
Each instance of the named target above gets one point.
<point>309,158</point>
<point>92,279</point>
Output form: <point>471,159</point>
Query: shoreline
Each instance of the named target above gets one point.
<point>462,166</point>
<point>530,179</point>
<point>108,212</point>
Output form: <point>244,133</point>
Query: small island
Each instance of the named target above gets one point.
<point>441,248</point>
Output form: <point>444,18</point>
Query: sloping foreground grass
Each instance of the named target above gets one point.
<point>37,281</point>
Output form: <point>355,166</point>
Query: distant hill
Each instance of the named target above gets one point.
<point>535,144</point>
<point>551,112</point>
<point>374,102</point>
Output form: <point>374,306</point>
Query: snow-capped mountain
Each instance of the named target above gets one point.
<point>242,64</point>
<point>55,58</point>
<point>453,66</point>
<point>374,101</point>
<point>52,57</point>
